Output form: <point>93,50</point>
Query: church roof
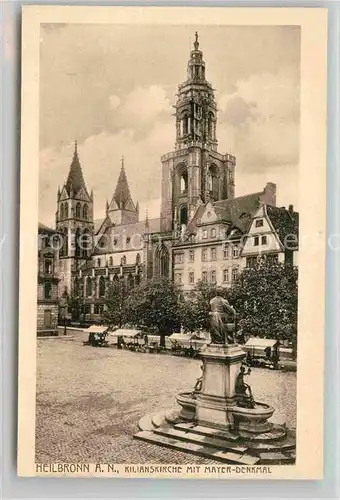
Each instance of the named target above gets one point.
<point>42,228</point>
<point>125,237</point>
<point>97,224</point>
<point>75,179</point>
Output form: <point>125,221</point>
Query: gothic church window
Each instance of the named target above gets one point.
<point>77,242</point>
<point>210,125</point>
<point>183,215</point>
<point>78,208</point>
<point>161,262</point>
<point>62,211</point>
<point>184,182</point>
<point>213,182</point>
<point>64,243</point>
<point>123,260</point>
<point>111,261</point>
<point>85,211</point>
<point>138,258</point>
<point>185,124</point>
<point>66,211</point>
<point>86,242</point>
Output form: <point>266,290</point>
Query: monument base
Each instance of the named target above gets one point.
<point>275,447</point>
<point>219,423</point>
<point>221,366</point>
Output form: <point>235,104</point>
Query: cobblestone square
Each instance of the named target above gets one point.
<point>89,401</point>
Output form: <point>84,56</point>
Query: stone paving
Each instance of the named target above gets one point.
<point>89,401</point>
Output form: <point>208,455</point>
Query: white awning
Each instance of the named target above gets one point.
<point>126,333</point>
<point>180,337</point>
<point>262,343</point>
<point>96,329</point>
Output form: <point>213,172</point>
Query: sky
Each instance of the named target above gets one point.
<point>112,88</point>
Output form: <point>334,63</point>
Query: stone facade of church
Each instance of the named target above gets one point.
<point>203,233</point>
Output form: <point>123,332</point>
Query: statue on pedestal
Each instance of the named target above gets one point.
<point>222,321</point>
<point>243,391</point>
<point>199,382</point>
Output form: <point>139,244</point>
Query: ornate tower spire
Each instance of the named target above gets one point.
<point>196,44</point>
<point>196,109</point>
<point>195,171</point>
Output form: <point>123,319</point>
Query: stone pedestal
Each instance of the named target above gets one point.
<point>221,366</point>
<point>215,424</point>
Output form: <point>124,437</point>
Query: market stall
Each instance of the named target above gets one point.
<point>262,352</point>
<point>97,335</point>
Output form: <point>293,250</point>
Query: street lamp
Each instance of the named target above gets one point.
<point>63,304</point>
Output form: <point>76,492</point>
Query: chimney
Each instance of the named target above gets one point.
<point>268,196</point>
<point>291,209</point>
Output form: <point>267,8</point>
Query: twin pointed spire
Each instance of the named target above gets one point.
<point>75,180</point>
<point>122,191</point>
<point>122,209</point>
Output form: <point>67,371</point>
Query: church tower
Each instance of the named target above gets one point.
<point>74,220</point>
<point>195,172</point>
<point>122,209</point>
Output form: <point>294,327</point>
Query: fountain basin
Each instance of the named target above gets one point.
<point>188,403</point>
<point>251,421</point>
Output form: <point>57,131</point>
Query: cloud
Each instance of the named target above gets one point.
<point>114,102</point>
<point>100,156</point>
<point>140,109</point>
<point>113,91</point>
<point>260,120</point>
<point>236,110</point>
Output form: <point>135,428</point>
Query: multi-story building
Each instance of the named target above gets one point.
<point>203,233</point>
<point>48,280</point>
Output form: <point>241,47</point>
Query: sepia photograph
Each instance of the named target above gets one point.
<point>169,247</point>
